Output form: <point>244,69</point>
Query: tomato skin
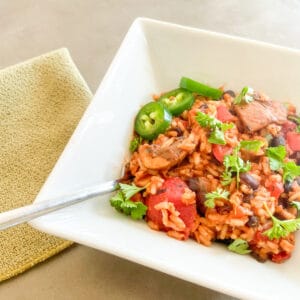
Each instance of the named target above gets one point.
<point>280,257</point>
<point>223,114</point>
<point>275,189</point>
<point>219,151</point>
<point>259,237</point>
<point>293,140</point>
<point>288,126</point>
<point>171,191</point>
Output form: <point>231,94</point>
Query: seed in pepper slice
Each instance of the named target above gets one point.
<point>152,119</point>
<point>177,101</point>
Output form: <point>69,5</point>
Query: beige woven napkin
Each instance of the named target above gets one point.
<point>41,102</point>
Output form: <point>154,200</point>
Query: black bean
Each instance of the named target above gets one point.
<point>288,186</point>
<point>284,202</point>
<point>193,184</point>
<point>225,209</point>
<point>247,198</point>
<point>277,141</point>
<point>203,106</point>
<point>225,241</point>
<point>296,157</point>
<point>248,179</point>
<point>230,92</point>
<point>199,186</point>
<point>178,130</point>
<point>252,222</point>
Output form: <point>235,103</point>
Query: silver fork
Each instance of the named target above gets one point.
<point>26,213</point>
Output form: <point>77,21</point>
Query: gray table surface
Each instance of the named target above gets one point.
<point>93,30</point>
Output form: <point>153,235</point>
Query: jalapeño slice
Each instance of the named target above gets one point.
<point>152,119</point>
<point>177,101</point>
<point>200,88</point>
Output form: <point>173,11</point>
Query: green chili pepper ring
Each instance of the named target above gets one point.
<point>177,101</point>
<point>152,119</point>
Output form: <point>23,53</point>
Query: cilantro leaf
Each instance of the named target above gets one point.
<point>217,137</point>
<point>130,190</point>
<point>276,156</point>
<point>234,164</point>
<point>226,126</point>
<point>290,171</point>
<point>226,178</point>
<point>205,120</point>
<point>134,144</point>
<point>245,96</point>
<point>281,228</point>
<point>218,128</point>
<point>217,194</point>
<point>139,211</point>
<point>251,145</point>
<point>117,200</point>
<point>239,246</point>
<point>121,201</point>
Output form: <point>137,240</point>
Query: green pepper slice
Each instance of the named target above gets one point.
<point>200,88</point>
<point>152,119</point>
<point>177,101</point>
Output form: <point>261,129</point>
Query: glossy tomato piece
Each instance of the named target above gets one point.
<point>223,114</point>
<point>220,151</point>
<point>276,189</point>
<point>293,140</point>
<point>288,126</point>
<point>171,191</point>
<point>280,257</point>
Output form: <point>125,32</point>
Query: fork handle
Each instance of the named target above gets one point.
<point>26,213</point>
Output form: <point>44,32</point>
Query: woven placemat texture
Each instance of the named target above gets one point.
<point>41,102</point>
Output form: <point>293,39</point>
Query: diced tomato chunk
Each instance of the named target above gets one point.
<point>293,140</point>
<point>220,151</point>
<point>223,114</point>
<point>259,237</point>
<point>280,257</point>
<point>171,191</point>
<point>288,126</point>
<point>275,188</point>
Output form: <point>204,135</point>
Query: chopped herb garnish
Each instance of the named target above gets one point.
<point>281,228</point>
<point>276,157</point>
<point>234,164</point>
<point>217,194</point>
<point>134,144</point>
<point>121,201</point>
<point>218,128</point>
<point>239,246</point>
<point>245,96</point>
<point>217,137</point>
<point>130,190</point>
<point>251,145</point>
<point>290,171</point>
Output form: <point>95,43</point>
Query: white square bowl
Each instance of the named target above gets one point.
<point>152,58</point>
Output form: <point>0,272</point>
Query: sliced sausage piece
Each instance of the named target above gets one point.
<point>156,157</point>
<point>258,114</point>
